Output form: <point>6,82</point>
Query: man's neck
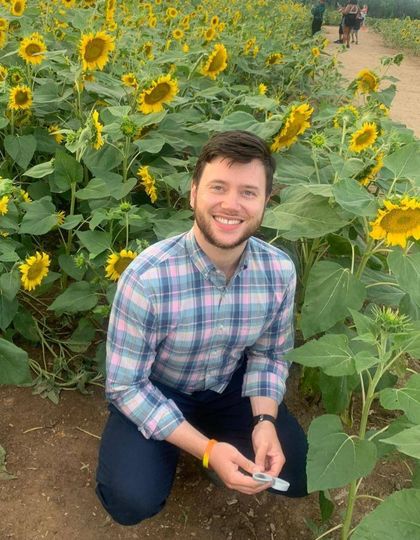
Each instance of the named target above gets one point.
<point>225,260</point>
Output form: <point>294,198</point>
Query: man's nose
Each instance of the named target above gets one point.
<point>231,201</point>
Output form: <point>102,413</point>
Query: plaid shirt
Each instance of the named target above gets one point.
<point>175,320</point>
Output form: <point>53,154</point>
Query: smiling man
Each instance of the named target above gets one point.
<point>197,336</point>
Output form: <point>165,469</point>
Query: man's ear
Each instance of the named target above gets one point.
<point>193,194</point>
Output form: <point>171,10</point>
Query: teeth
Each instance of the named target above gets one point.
<point>228,221</point>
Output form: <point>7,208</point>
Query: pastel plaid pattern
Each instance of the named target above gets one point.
<point>175,320</point>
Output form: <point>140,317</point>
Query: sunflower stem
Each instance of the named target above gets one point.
<point>365,257</point>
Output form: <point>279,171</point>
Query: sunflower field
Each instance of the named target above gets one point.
<point>103,111</point>
<point>403,33</point>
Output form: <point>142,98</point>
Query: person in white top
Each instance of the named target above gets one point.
<point>351,19</point>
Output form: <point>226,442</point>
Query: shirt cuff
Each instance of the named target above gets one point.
<point>161,421</point>
<point>264,384</point>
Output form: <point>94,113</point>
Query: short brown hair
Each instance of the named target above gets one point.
<point>239,147</point>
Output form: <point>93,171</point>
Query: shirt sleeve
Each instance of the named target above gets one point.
<point>267,371</point>
<point>131,351</point>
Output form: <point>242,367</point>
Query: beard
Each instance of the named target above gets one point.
<point>205,225</point>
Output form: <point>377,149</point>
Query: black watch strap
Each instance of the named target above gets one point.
<point>261,417</point>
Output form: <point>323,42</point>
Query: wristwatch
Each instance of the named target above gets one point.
<point>261,417</point>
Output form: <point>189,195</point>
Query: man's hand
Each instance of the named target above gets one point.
<point>269,457</point>
<point>227,461</point>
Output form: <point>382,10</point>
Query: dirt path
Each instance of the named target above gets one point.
<point>368,54</point>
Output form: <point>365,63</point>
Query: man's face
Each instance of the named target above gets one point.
<point>229,202</point>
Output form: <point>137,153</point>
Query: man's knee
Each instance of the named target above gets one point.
<point>128,507</point>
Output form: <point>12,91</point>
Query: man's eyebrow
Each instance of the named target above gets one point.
<point>246,186</point>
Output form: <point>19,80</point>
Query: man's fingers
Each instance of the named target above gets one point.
<point>260,456</point>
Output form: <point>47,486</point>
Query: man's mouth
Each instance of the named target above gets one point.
<point>226,221</point>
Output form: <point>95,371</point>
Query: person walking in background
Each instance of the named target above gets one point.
<point>351,12</point>
<point>363,13</point>
<point>354,32</point>
<point>318,15</point>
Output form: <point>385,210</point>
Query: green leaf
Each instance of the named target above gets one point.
<point>10,284</point>
<point>335,458</point>
<point>406,268</point>
<point>24,323</point>
<point>405,162</point>
<point>397,516</point>
<point>406,441</point>
<point>331,353</point>
<point>95,242</point>
<point>41,170</point>
<point>67,170</point>
<point>326,506</point>
<point>330,291</point>
<point>80,296</point>
<point>8,310</point>
<point>82,337</point>
<point>406,399</point>
<point>303,215</point>
<point>102,161</point>
<point>14,364</point>
<point>363,360</point>
<point>337,392</point>
<point>152,144</point>
<point>68,265</point>
<point>354,198</point>
<point>40,217</point>
<point>20,148</point>
<point>70,222</point>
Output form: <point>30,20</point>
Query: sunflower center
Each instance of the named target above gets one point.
<point>364,137</point>
<point>401,221</point>
<point>32,49</point>
<point>21,97</point>
<point>122,264</point>
<point>159,93</point>
<point>94,49</point>
<point>36,269</point>
<point>217,62</point>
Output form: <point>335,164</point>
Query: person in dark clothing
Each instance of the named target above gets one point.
<point>318,15</point>
<point>351,15</point>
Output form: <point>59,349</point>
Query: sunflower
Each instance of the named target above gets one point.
<point>3,38</point>
<point>397,222</point>
<point>216,62</point>
<point>369,174</point>
<point>97,131</point>
<point>18,7</point>
<point>171,12</point>
<point>315,52</point>
<point>148,182</point>
<point>32,49</point>
<point>262,89</point>
<point>177,34</point>
<point>4,24</point>
<point>20,98</point>
<point>161,91</point>
<point>54,129</point>
<point>185,48</point>
<point>274,58</point>
<point>4,201</point>
<point>297,122</point>
<point>367,81</point>
<point>148,50</point>
<point>346,114</point>
<point>118,262</point>
<point>94,49</point>
<point>152,21</point>
<point>364,137</point>
<point>68,3</point>
<point>34,269</point>
<point>3,73</point>
<point>129,80</point>
<point>25,195</point>
<point>209,34</point>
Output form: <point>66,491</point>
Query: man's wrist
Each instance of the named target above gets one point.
<point>259,418</point>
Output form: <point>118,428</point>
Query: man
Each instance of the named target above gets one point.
<point>197,335</point>
<point>318,15</point>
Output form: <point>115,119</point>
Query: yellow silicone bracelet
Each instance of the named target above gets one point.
<point>207,452</point>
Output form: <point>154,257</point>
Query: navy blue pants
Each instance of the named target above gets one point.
<point>135,474</point>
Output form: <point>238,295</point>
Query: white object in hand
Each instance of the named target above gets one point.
<point>278,483</point>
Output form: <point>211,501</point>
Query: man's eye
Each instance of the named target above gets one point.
<point>249,193</point>
<point>217,188</point>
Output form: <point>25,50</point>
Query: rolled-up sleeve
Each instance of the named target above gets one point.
<point>131,351</point>
<point>267,371</point>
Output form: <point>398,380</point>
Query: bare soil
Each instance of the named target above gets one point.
<point>367,54</point>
